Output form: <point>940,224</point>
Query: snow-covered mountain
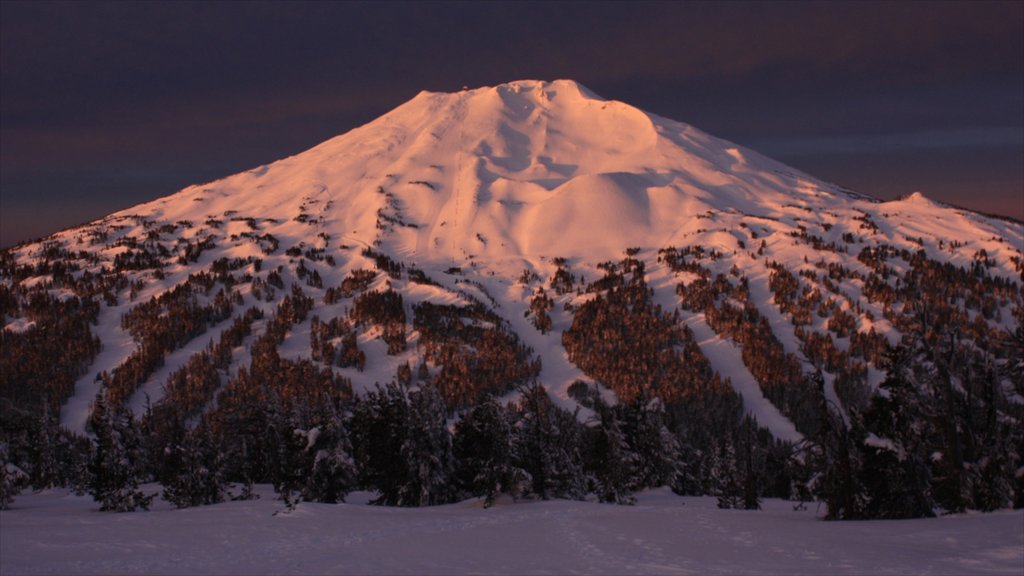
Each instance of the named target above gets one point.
<point>573,238</point>
<point>500,179</point>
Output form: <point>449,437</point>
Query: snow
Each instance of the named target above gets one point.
<point>726,358</point>
<point>54,532</point>
<point>19,325</point>
<point>505,178</point>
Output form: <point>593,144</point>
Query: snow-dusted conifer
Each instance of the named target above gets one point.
<point>46,470</point>
<point>897,473</point>
<point>12,478</point>
<point>115,467</point>
<point>427,450</point>
<point>379,426</point>
<point>614,463</point>
<point>200,478</point>
<point>548,445</point>
<point>332,472</point>
<point>483,450</point>
<point>726,482</point>
<point>657,449</point>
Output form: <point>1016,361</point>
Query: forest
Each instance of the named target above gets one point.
<point>466,414</point>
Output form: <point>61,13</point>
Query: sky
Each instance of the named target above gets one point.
<point>104,105</point>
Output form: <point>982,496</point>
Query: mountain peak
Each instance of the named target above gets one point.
<point>538,167</point>
<point>517,171</point>
<point>550,88</point>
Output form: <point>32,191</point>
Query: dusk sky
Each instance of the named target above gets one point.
<point>106,105</point>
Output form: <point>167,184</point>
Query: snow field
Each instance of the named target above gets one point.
<point>54,532</point>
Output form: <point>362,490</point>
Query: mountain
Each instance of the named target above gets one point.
<point>530,232</point>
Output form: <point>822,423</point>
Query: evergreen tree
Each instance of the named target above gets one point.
<point>200,479</point>
<point>836,459</point>
<point>11,478</point>
<point>750,460</point>
<point>288,466</point>
<point>380,424</point>
<point>332,471</point>
<point>726,482</point>
<point>427,451</point>
<point>46,470</point>
<point>483,451</point>
<point>656,448</point>
<point>613,462</point>
<point>896,473</point>
<point>548,445</point>
<point>115,466</point>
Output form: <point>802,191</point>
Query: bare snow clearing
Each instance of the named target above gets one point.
<point>58,533</point>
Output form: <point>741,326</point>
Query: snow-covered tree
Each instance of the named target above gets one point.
<point>427,450</point>
<point>483,451</point>
<point>12,478</point>
<point>46,469</point>
<point>896,473</point>
<point>379,426</point>
<point>332,471</point>
<point>613,462</point>
<point>656,448</point>
<point>200,477</point>
<point>725,477</point>
<point>287,461</point>
<point>115,469</point>
<point>548,444</point>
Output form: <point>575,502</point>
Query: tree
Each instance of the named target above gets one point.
<point>483,451</point>
<point>46,471</point>
<point>725,478</point>
<point>11,478</point>
<point>427,451</point>
<point>199,480</point>
<point>836,459</point>
<point>750,461</point>
<point>896,473</point>
<point>287,462</point>
<point>379,427</point>
<point>656,448</point>
<point>115,469</point>
<point>613,462</point>
<point>332,471</point>
<point>548,445</point>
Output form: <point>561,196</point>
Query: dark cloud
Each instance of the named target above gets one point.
<point>124,102</point>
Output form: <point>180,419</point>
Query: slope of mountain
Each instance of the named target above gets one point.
<point>522,213</point>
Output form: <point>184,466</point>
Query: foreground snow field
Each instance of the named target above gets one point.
<point>55,532</point>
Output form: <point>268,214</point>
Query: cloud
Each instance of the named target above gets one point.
<point>981,137</point>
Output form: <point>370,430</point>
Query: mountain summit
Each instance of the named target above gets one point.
<point>521,169</point>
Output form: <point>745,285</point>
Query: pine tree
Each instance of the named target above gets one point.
<point>427,450</point>
<point>656,448</point>
<point>750,459</point>
<point>287,463</point>
<point>200,479</point>
<point>11,478</point>
<point>614,464</point>
<point>115,466</point>
<point>548,445</point>
<point>380,424</point>
<point>726,482</point>
<point>46,471</point>
<point>896,472</point>
<point>332,471</point>
<point>483,451</point>
<point>836,458</point>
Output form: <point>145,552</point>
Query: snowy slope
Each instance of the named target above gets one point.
<point>501,179</point>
